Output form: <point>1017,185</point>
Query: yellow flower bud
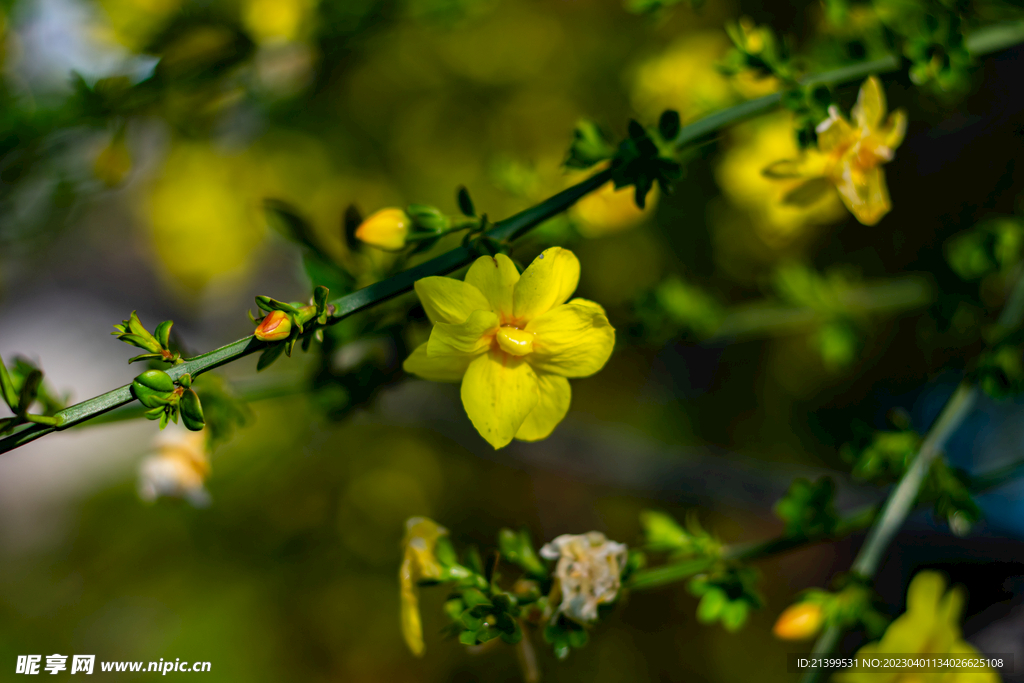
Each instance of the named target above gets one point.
<point>274,327</point>
<point>799,622</point>
<point>385,229</point>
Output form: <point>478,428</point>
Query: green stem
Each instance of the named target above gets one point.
<point>904,496</point>
<point>983,41</point>
<point>758,550</point>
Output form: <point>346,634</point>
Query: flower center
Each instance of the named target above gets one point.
<point>515,341</point>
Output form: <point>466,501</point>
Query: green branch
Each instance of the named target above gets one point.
<point>902,499</point>
<point>857,520</point>
<point>983,41</point>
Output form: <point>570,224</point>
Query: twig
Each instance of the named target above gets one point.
<point>982,41</point>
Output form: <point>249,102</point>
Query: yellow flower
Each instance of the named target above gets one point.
<point>799,621</point>
<point>418,563</point>
<point>275,326</point>
<point>385,229</point>
<point>740,175</point>
<point>588,573</point>
<point>850,156</point>
<point>177,469</point>
<point>930,626</point>
<point>606,210</point>
<point>512,341</point>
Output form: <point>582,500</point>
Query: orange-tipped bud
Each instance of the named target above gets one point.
<point>799,622</point>
<point>274,327</point>
<point>385,229</point>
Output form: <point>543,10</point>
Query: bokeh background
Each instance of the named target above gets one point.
<point>116,197</point>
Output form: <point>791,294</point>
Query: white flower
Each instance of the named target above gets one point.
<point>588,573</point>
<point>177,469</point>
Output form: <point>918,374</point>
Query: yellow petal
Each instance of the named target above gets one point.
<point>587,302</point>
<point>418,562</point>
<point>895,129</point>
<point>808,165</point>
<point>552,405</point>
<point>865,194</point>
<point>412,627</point>
<point>834,132</point>
<point>547,282</point>
<point>925,591</point>
<point>870,107</point>
<point>471,337</point>
<point>447,300</point>
<point>496,277</point>
<point>440,368</point>
<point>572,340</point>
<point>498,392</point>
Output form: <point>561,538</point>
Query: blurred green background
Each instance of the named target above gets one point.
<point>139,184</point>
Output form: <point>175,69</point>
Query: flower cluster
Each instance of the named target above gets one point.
<point>512,340</point>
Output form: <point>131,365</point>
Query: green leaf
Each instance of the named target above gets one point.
<point>669,124</point>
<point>465,202</point>
<point>473,598</point>
<point>711,605</point>
<point>807,193</point>
<point>29,387</point>
<point>589,146</point>
<point>467,637</point>
<point>163,333</point>
<point>272,353</point>
<point>734,615</point>
<point>10,395</point>
<point>191,411</point>
<point>471,621</point>
<point>578,637</point>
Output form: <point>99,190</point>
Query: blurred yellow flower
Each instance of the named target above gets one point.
<point>418,563</point>
<point>276,20</point>
<point>133,23</point>
<point>739,174</point>
<point>799,622</point>
<point>606,210</point>
<point>204,210</point>
<point>178,469</point>
<point>512,341</point>
<point>930,626</point>
<point>684,78</point>
<point>850,157</point>
<point>385,229</point>
<point>113,163</point>
<point>588,573</point>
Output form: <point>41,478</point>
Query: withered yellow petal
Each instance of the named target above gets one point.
<point>496,278</point>
<point>869,110</point>
<point>865,194</point>
<point>895,129</point>
<point>440,368</point>
<point>552,406</point>
<point>834,132</point>
<point>547,282</point>
<point>447,300</point>
<point>571,340</point>
<point>498,393</point>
